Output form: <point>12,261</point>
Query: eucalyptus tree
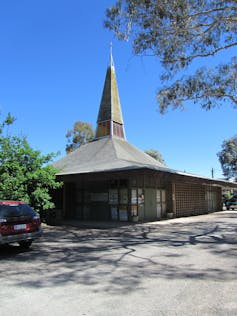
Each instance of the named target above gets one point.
<point>228,158</point>
<point>184,34</point>
<point>81,133</point>
<point>155,154</point>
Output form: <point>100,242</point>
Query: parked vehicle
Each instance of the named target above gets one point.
<point>18,223</point>
<point>231,203</point>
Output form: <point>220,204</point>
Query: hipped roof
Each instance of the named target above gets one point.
<point>110,152</point>
<point>106,154</point>
<point>113,153</point>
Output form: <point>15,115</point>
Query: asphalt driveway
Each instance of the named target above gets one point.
<point>178,267</point>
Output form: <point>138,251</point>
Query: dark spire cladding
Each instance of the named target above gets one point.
<point>110,120</point>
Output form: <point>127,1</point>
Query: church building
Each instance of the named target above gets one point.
<point>109,179</point>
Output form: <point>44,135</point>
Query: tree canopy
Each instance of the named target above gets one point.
<point>155,154</point>
<point>80,134</point>
<point>25,174</point>
<point>228,158</point>
<point>182,33</point>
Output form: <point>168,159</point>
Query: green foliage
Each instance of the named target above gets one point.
<point>8,121</point>
<point>228,158</point>
<point>24,173</point>
<point>156,155</point>
<point>213,86</point>
<point>80,134</point>
<point>180,32</point>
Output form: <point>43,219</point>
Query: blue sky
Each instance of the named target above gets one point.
<point>53,60</point>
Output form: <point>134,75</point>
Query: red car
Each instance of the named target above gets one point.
<point>18,223</point>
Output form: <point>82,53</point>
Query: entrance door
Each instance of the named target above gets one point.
<point>150,204</point>
<point>160,203</point>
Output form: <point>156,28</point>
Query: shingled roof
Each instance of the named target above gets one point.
<point>105,154</point>
<point>109,150</point>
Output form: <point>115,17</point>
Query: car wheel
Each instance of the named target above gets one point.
<point>25,244</point>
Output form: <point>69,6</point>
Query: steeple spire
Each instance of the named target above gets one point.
<point>111,55</point>
<point>110,120</point>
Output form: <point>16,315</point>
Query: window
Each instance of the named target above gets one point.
<point>137,199</point>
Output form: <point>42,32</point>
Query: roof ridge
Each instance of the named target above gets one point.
<point>151,161</point>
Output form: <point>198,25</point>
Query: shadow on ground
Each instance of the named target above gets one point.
<point>118,259</point>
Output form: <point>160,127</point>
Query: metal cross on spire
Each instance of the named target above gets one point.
<point>111,55</point>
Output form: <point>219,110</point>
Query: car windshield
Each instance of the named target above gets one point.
<point>15,210</point>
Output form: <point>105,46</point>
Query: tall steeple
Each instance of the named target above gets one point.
<point>110,120</point>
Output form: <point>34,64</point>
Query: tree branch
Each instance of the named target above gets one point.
<point>191,57</point>
<point>223,9</point>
